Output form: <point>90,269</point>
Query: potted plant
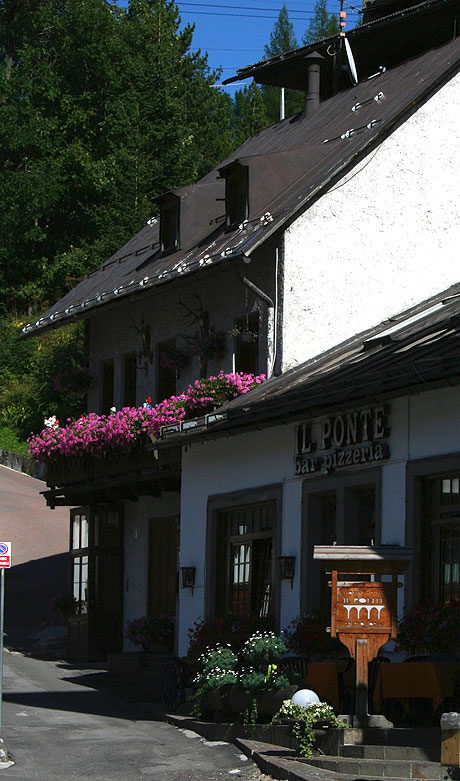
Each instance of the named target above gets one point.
<point>244,334</point>
<point>430,629</point>
<point>306,636</point>
<point>304,720</point>
<point>174,359</point>
<point>151,633</point>
<point>261,686</point>
<point>210,346</point>
<point>214,680</point>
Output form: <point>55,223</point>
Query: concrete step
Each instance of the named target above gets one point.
<point>380,768</point>
<point>396,736</point>
<point>405,753</point>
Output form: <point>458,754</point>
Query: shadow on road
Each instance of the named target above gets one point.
<point>99,703</point>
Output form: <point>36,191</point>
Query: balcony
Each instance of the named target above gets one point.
<point>146,470</point>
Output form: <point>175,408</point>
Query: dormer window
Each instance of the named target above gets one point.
<point>169,224</point>
<point>236,195</point>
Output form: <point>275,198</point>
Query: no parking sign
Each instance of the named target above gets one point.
<point>5,554</point>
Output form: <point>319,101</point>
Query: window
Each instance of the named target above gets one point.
<point>169,224</point>
<point>247,344</point>
<point>79,544</point>
<point>236,196</point>
<point>166,377</point>
<point>245,560</point>
<point>129,380</point>
<point>107,386</point>
<point>340,510</point>
<point>440,539</point>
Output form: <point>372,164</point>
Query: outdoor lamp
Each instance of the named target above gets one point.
<point>305,698</point>
<point>187,577</point>
<point>287,568</point>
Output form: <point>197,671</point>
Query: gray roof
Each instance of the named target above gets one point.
<point>290,165</point>
<point>393,37</point>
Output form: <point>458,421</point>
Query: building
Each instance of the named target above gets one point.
<point>311,232</point>
<point>357,446</point>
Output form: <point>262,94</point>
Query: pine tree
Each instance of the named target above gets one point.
<point>249,113</point>
<point>101,109</point>
<point>282,39</point>
<point>322,25</point>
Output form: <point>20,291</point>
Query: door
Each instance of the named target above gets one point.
<point>163,555</point>
<point>96,582</point>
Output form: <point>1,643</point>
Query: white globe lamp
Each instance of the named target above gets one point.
<point>305,698</point>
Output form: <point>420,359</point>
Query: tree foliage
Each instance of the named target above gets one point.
<point>282,39</point>
<point>249,113</point>
<point>322,24</point>
<point>101,109</point>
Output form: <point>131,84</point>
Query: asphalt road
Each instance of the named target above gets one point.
<point>56,728</point>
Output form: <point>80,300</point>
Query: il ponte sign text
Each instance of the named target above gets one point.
<point>345,439</point>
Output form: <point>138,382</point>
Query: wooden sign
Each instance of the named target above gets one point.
<point>363,614</point>
<point>364,611</point>
<point>365,607</point>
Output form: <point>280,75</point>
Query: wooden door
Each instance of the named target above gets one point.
<point>163,548</point>
<point>96,582</point>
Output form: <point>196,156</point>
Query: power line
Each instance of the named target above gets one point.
<point>197,48</point>
<point>244,7</point>
<point>241,16</point>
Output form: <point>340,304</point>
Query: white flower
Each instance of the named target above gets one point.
<point>51,422</point>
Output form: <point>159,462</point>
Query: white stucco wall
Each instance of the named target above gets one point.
<point>422,426</point>
<point>136,552</point>
<point>382,239</point>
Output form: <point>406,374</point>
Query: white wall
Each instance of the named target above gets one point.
<point>420,426</point>
<point>382,239</point>
<point>222,466</point>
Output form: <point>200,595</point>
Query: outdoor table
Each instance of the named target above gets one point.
<point>407,681</point>
<point>322,677</point>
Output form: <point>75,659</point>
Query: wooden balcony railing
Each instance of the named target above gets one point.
<point>141,460</point>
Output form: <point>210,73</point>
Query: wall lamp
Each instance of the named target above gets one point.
<point>287,568</point>
<point>187,577</point>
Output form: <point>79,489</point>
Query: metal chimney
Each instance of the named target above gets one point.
<point>312,100</point>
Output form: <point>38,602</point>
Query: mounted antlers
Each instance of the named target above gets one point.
<point>197,316</point>
<point>146,352</point>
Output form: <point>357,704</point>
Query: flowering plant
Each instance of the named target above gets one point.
<point>63,605</point>
<point>430,628</point>
<point>146,631</point>
<point>304,721</point>
<point>97,435</point>
<point>174,359</point>
<point>211,346</point>
<point>306,636</point>
<point>230,630</point>
<point>218,666</point>
<point>263,648</point>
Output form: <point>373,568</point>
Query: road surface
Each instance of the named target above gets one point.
<point>57,728</point>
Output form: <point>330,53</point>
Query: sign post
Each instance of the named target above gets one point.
<point>363,612</point>
<point>5,563</point>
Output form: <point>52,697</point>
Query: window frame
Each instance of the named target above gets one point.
<point>246,498</point>
<point>418,472</point>
<point>107,394</point>
<point>129,359</point>
<point>169,224</point>
<point>343,486</point>
<point>236,196</point>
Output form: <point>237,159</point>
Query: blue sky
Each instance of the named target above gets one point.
<point>234,35</point>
